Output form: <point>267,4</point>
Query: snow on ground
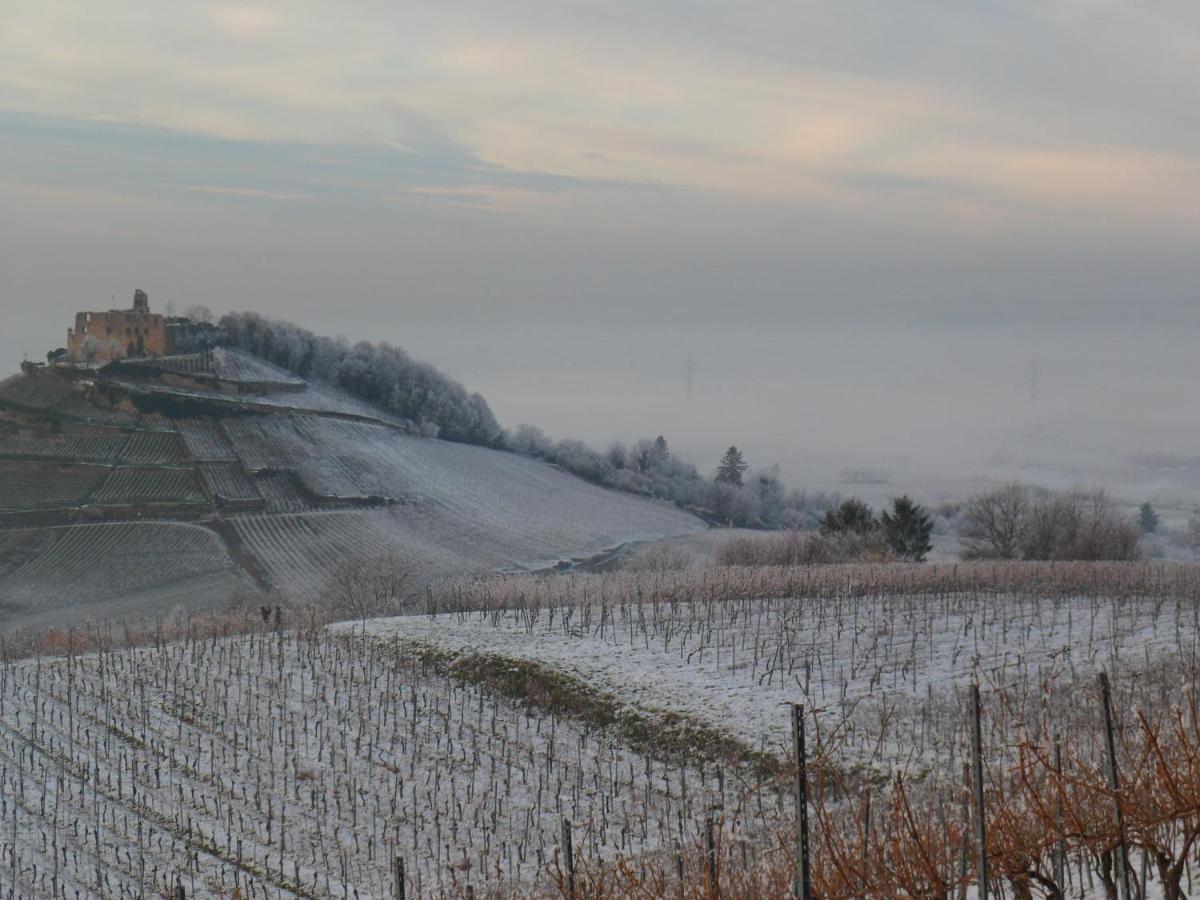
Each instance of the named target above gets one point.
<point>86,567</point>
<point>737,665</point>
<point>271,766</point>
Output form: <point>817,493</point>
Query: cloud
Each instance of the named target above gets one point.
<point>257,193</point>
<point>242,21</point>
<point>776,102</point>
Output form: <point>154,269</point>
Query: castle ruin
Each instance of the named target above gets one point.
<point>100,337</point>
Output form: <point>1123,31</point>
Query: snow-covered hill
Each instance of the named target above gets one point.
<point>257,485</point>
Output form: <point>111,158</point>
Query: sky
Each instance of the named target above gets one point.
<point>866,223</point>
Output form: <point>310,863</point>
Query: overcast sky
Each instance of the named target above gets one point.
<point>863,221</point>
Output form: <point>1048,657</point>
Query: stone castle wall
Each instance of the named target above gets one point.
<point>118,333</point>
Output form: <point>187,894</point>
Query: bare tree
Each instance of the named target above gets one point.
<point>995,523</point>
<point>1017,522</point>
<point>199,313</point>
<point>365,587</point>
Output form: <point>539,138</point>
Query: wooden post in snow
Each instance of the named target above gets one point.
<point>710,854</point>
<point>398,872</point>
<point>977,777</point>
<point>1114,782</point>
<point>802,885</point>
<point>570,855</point>
<point>1060,852</point>
<point>866,842</point>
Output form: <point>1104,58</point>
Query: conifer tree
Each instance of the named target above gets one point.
<point>1147,518</point>
<point>852,516</point>
<point>907,528</point>
<point>731,468</point>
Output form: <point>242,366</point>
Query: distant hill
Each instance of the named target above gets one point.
<point>189,480</point>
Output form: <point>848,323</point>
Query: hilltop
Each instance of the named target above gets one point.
<point>196,478</point>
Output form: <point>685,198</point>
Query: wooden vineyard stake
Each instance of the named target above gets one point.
<point>710,853</point>
<point>570,855</point>
<point>399,871</point>
<point>802,888</point>
<point>1060,852</point>
<point>977,777</point>
<point>1114,782</point>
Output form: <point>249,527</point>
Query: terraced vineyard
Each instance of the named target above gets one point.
<point>282,492</point>
<point>98,446</point>
<point>297,481</point>
<point>300,550</point>
<point>56,396</point>
<point>204,440</point>
<point>159,448</point>
<point>134,486</point>
<point>20,545</point>
<point>28,486</point>
<point>88,564</point>
<point>225,365</point>
<point>265,442</point>
<point>227,482</point>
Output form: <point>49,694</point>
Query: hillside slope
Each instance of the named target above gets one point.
<point>255,481</point>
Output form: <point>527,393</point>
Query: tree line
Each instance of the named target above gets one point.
<point>437,405</point>
<point>1017,521</point>
<point>1011,522</point>
<point>733,495</point>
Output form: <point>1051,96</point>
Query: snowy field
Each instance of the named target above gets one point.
<point>289,765</point>
<point>864,666</point>
<point>291,494</point>
<point>267,766</point>
<point>87,567</point>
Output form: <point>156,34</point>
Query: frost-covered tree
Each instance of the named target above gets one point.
<point>198,313</point>
<point>378,373</point>
<point>617,455</point>
<point>661,451</point>
<point>733,504</point>
<point>731,467</point>
<point>644,456</point>
<point>1017,522</point>
<point>772,499</point>
<point>531,441</point>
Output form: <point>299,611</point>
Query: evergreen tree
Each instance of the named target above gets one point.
<point>908,528</point>
<point>852,516</point>
<point>731,468</point>
<point>661,451</point>
<point>1147,518</point>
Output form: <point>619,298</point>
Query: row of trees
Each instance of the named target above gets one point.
<point>1017,521</point>
<point>734,495</point>
<point>1011,522</point>
<point>439,406</point>
<point>905,530</point>
<point>377,373</point>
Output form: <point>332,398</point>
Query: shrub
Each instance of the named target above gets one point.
<point>798,548</point>
<point>1016,522</point>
